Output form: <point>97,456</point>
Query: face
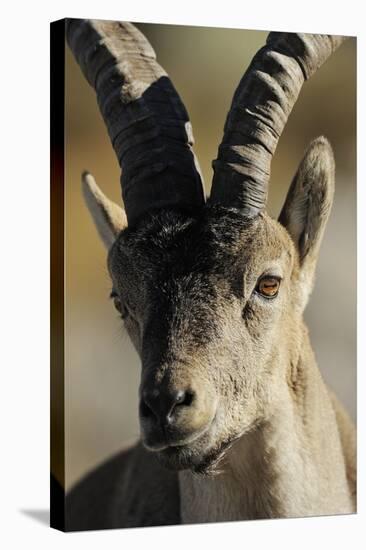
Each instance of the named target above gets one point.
<point>204,301</point>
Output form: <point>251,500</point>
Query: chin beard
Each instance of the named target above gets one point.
<point>200,457</point>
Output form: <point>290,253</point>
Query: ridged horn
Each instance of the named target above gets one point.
<point>260,108</point>
<point>147,122</point>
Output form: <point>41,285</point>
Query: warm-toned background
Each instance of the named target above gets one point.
<point>102,369</point>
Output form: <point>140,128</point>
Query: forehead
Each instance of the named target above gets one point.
<point>217,241</point>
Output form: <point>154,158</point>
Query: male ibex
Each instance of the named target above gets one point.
<point>236,420</point>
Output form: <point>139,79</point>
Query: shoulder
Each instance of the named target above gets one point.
<point>347,434</point>
<point>131,489</point>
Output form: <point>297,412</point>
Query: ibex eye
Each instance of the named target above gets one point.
<point>120,307</point>
<point>268,286</point>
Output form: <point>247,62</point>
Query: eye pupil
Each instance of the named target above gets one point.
<point>268,287</point>
<point>120,307</point>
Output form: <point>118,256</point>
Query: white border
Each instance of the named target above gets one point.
<point>24,359</point>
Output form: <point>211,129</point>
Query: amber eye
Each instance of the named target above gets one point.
<point>120,307</point>
<point>268,286</point>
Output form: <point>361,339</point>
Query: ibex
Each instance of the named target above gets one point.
<point>236,420</point>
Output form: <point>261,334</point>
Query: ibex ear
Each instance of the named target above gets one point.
<point>308,203</point>
<point>108,217</point>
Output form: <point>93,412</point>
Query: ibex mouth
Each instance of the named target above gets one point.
<point>194,453</point>
<point>173,443</point>
<point>192,457</point>
<point>203,455</point>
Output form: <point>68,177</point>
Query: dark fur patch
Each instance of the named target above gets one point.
<point>178,264</point>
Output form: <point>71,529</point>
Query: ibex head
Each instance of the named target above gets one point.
<point>211,293</point>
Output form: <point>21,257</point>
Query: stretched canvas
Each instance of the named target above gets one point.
<point>203,290</point>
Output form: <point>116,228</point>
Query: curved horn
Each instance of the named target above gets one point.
<point>146,120</point>
<point>260,108</point>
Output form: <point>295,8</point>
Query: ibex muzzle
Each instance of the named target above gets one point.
<point>173,415</point>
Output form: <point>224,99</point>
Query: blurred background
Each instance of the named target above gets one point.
<point>205,65</point>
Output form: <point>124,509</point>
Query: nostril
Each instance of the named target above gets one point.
<point>184,398</point>
<point>180,399</point>
<point>161,406</point>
